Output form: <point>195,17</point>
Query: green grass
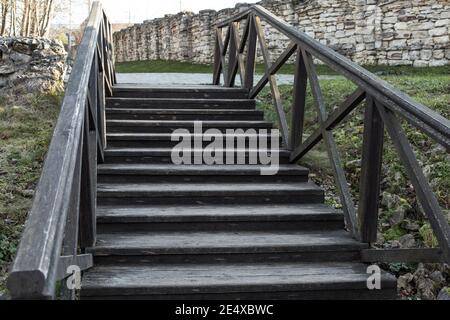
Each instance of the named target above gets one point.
<point>25,131</point>
<point>163,66</point>
<point>431,90</point>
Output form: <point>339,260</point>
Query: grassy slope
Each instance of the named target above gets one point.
<point>25,131</point>
<point>433,91</point>
<point>162,66</point>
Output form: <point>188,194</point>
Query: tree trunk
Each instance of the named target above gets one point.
<point>48,8</point>
<point>12,30</point>
<point>24,21</point>
<point>5,10</point>
<point>34,21</point>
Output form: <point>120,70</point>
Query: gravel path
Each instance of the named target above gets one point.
<point>191,78</point>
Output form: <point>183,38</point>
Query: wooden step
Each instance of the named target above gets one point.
<point>163,173</point>
<point>164,155</point>
<point>197,92</point>
<point>149,126</point>
<point>207,193</point>
<point>219,246</point>
<point>164,140</point>
<point>219,217</point>
<point>184,114</point>
<point>331,280</point>
<point>174,103</point>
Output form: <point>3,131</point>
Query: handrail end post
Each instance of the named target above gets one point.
<point>27,285</point>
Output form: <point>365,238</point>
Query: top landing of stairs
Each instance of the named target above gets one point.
<point>142,90</point>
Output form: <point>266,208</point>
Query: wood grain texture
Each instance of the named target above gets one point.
<point>370,181</point>
<point>180,103</point>
<point>136,243</point>
<point>189,279</point>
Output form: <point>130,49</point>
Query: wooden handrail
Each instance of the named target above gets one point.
<point>384,104</point>
<point>62,218</point>
<point>425,119</point>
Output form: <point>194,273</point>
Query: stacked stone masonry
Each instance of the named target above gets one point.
<point>31,65</point>
<point>383,32</point>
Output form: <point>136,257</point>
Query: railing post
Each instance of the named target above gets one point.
<point>70,244</point>
<point>217,61</point>
<point>251,54</point>
<point>372,155</point>
<point>88,186</point>
<point>232,66</point>
<point>299,103</point>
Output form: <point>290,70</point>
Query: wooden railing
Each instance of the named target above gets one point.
<point>235,54</point>
<point>62,221</point>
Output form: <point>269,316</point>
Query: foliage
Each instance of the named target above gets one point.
<point>394,233</point>
<point>25,130</point>
<point>428,237</point>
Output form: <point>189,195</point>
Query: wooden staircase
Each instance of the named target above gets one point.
<point>112,203</point>
<point>166,231</point>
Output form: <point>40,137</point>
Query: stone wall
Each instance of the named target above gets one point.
<point>31,65</point>
<point>385,32</point>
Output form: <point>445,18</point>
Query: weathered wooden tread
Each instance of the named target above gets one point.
<point>165,114</point>
<point>172,89</point>
<point>180,103</point>
<point>233,112</point>
<point>217,213</point>
<point>197,91</point>
<point>190,123</point>
<point>195,170</point>
<point>168,136</point>
<point>168,151</point>
<point>161,154</point>
<point>160,280</point>
<point>223,242</point>
<point>206,189</point>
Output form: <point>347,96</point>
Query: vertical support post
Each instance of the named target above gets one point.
<point>70,243</point>
<point>88,186</point>
<point>217,62</point>
<point>101,111</point>
<point>113,57</point>
<point>372,155</point>
<point>232,66</point>
<point>240,63</point>
<point>299,103</point>
<point>223,45</point>
<point>251,54</point>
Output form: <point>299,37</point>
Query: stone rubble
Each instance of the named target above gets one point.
<point>31,65</point>
<point>427,282</point>
<point>384,32</point>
